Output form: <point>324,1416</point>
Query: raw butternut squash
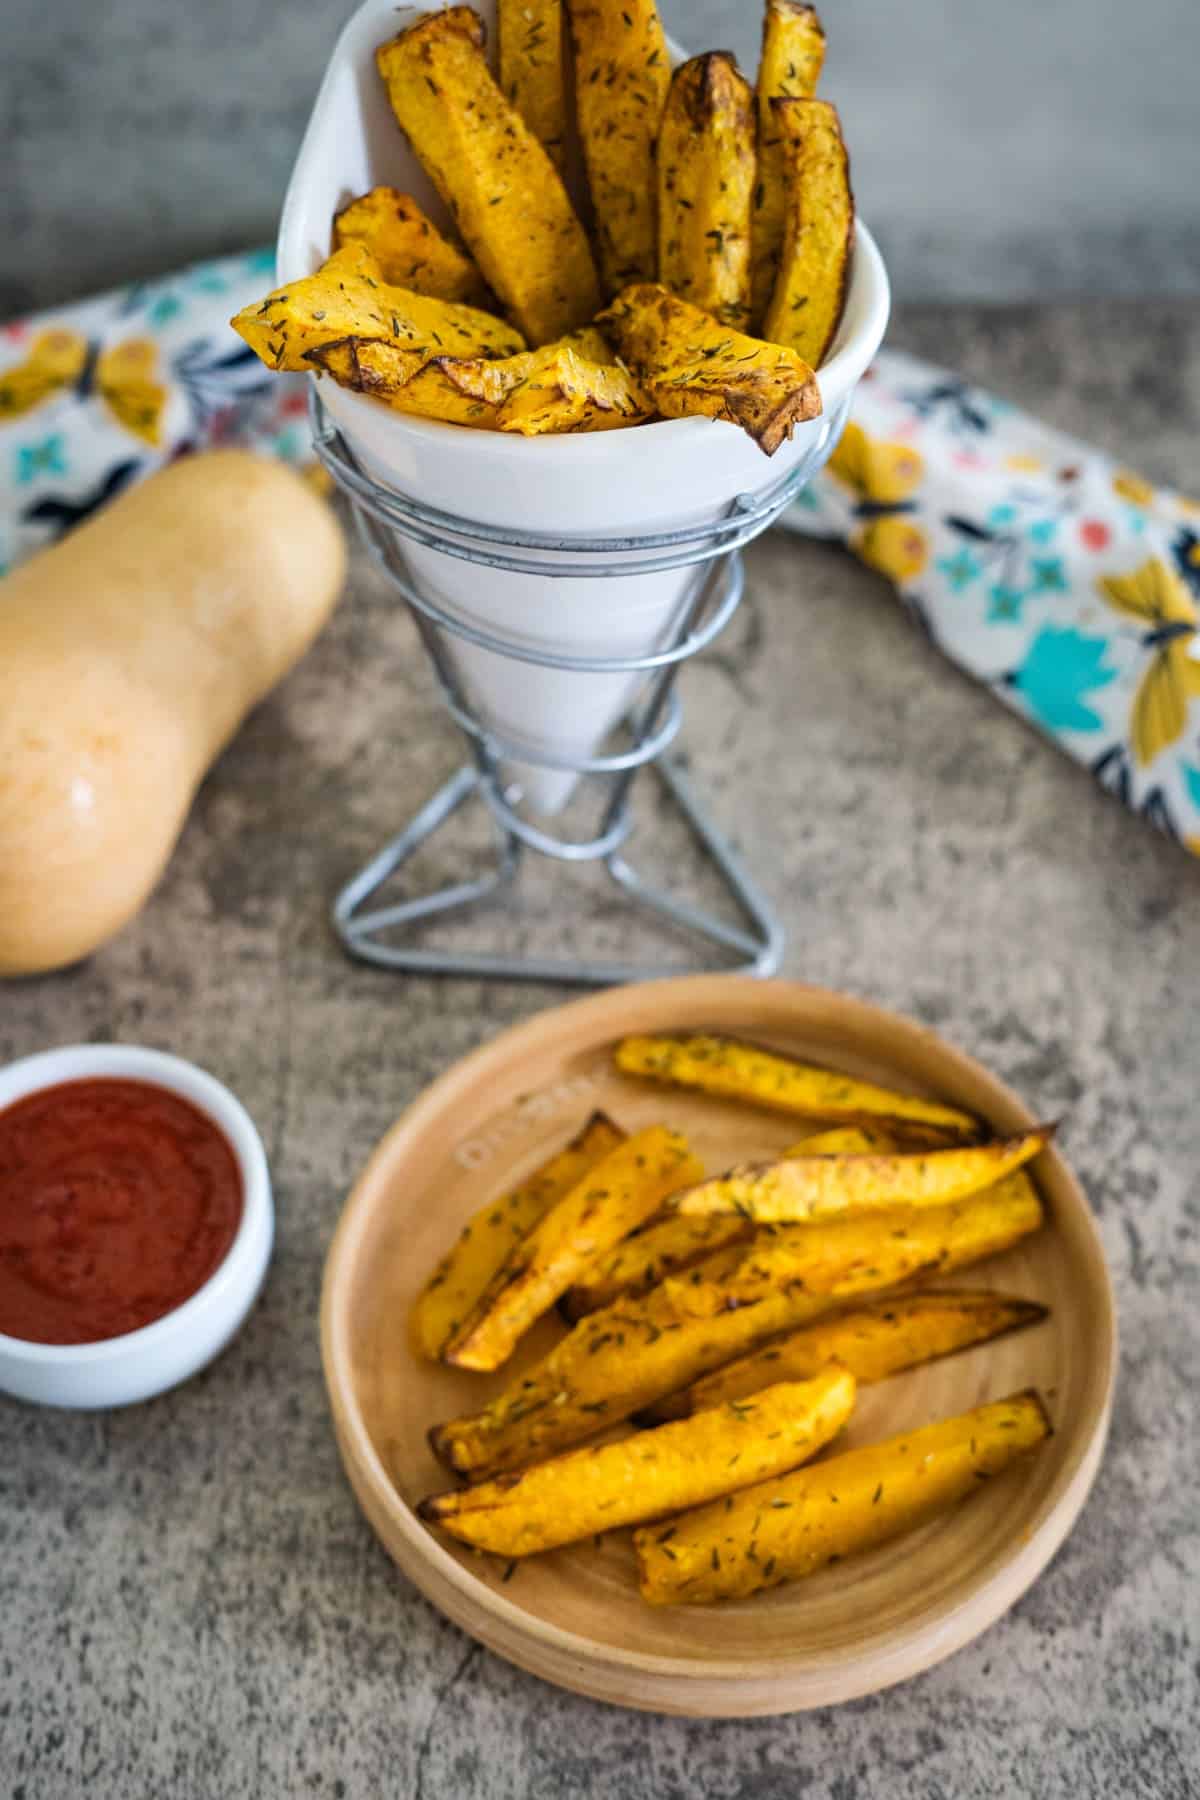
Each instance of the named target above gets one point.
<point>129,655</point>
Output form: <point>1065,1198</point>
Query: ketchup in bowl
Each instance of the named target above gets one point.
<point>118,1200</point>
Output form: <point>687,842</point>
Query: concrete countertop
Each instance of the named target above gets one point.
<point>190,1601</point>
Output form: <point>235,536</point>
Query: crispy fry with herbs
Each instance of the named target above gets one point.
<point>800,1189</point>
<point>621,78</point>
<point>530,54</point>
<point>651,1474</point>
<point>612,1199</point>
<point>843,1255</point>
<point>408,247</point>
<point>369,366</point>
<point>793,51</point>
<point>348,298</point>
<point>785,1529</point>
<point>690,365</point>
<point>809,295</point>
<point>666,1248</point>
<point>737,1071</point>
<point>706,164</point>
<point>623,1358</point>
<point>873,1342</point>
<point>679,1241</point>
<point>483,1243</point>
<point>505,194</point>
<point>575,384</point>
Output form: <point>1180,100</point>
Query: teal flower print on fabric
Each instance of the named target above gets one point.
<point>1042,531</point>
<point>1049,576</point>
<point>162,310</point>
<point>960,570</point>
<point>46,458</point>
<point>1004,604</point>
<point>1192,781</point>
<point>1060,668</point>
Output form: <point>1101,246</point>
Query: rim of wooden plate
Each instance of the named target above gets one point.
<point>678,1684</point>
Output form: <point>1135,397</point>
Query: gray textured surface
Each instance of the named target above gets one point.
<point>190,1602</point>
<point>1000,151</point>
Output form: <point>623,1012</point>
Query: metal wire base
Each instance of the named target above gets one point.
<point>387,520</point>
<point>362,927</point>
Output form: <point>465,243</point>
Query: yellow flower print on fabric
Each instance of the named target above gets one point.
<point>125,382</point>
<point>56,360</point>
<point>1155,597</point>
<point>123,377</point>
<point>883,477</point>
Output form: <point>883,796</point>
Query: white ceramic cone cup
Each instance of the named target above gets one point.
<point>648,478</point>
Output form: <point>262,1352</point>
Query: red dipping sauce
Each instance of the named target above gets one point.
<point>118,1199</point>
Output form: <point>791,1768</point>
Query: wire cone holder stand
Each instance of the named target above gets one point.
<point>366,923</point>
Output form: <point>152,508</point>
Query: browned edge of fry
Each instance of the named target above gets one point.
<point>800,405</point>
<point>438,1442</point>
<point>748,1170</point>
<point>434,1505</point>
<point>362,381</point>
<point>1033,1395</point>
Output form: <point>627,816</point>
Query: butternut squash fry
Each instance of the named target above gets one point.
<point>371,366</point>
<point>706,164</point>
<point>669,1247</point>
<point>873,1342</point>
<point>818,233</point>
<point>677,1241</point>
<point>793,51</point>
<point>652,1473</point>
<point>481,1247</point>
<point>612,1198</point>
<point>843,1255</point>
<point>574,384</point>
<point>621,78</point>
<point>506,196</point>
<point>408,247</point>
<point>739,1071</point>
<point>803,1189</point>
<point>530,54</point>
<point>690,366</point>
<point>348,298</point>
<point>786,1529</point>
<point>628,1355</point>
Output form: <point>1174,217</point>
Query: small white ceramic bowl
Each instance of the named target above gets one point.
<point>120,1370</point>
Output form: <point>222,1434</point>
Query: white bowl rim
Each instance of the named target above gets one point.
<point>136,1062</point>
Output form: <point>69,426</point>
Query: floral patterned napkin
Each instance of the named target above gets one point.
<point>1067,584</point>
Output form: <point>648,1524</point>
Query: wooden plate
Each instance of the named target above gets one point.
<point>574,1617</point>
